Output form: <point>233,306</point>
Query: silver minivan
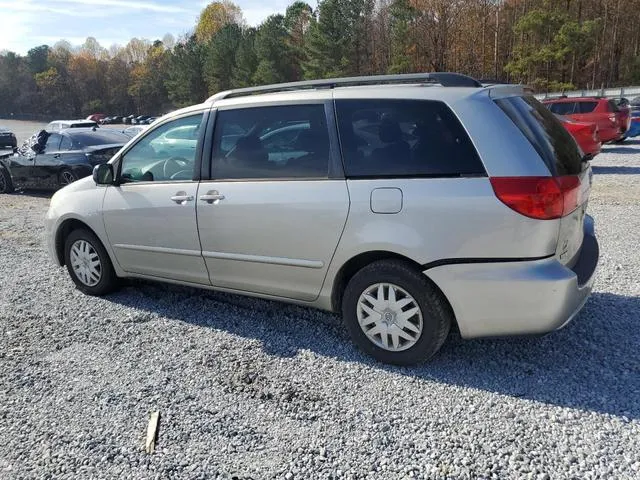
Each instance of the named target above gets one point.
<point>410,204</point>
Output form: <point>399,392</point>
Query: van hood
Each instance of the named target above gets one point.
<point>83,184</point>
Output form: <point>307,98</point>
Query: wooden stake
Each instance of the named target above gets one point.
<point>152,432</point>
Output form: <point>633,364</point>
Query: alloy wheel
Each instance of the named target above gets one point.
<point>67,177</point>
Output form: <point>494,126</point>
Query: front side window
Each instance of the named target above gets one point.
<point>157,158</point>
<point>389,138</point>
<point>271,142</point>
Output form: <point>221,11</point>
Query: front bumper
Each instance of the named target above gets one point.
<point>50,223</point>
<point>519,298</point>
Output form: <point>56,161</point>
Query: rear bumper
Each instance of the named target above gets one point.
<point>518,298</point>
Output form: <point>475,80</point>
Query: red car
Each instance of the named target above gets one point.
<point>96,117</point>
<point>605,113</point>
<point>585,135</point>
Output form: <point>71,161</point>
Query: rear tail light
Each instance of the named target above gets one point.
<point>542,198</point>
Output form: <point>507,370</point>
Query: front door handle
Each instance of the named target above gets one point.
<point>182,198</point>
<point>211,197</point>
<point>57,155</point>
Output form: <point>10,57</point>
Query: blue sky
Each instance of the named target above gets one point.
<point>29,23</point>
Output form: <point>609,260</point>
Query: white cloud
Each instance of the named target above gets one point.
<point>29,23</point>
<point>135,5</point>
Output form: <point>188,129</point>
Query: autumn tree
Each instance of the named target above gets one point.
<point>214,17</point>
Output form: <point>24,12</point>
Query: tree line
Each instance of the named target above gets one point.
<point>548,44</point>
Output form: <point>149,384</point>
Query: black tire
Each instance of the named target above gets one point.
<point>66,177</point>
<point>108,280</point>
<point>621,140</point>
<point>437,316</point>
<point>6,185</point>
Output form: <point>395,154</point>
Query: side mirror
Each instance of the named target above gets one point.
<point>103,174</point>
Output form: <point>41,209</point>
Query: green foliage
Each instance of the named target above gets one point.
<point>246,60</point>
<point>37,59</point>
<point>185,81</point>
<point>273,52</point>
<point>328,41</point>
<point>220,58</point>
<point>402,14</point>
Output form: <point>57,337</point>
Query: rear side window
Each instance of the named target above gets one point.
<point>545,133</point>
<point>563,108</point>
<point>404,138</point>
<point>572,108</point>
<point>586,107</point>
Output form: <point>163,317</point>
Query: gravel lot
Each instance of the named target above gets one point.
<point>256,389</point>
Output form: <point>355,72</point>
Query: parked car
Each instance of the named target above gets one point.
<point>49,161</point>
<point>149,120</point>
<point>585,134</point>
<point>634,103</point>
<point>7,139</point>
<point>463,206</point>
<point>623,114</point>
<point>134,130</point>
<point>601,111</point>
<point>96,117</point>
<point>139,120</point>
<point>634,128</point>
<point>128,120</point>
<point>58,125</point>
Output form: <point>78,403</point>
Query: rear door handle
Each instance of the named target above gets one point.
<point>211,197</point>
<point>181,198</point>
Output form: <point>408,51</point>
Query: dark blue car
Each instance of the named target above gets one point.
<point>49,161</point>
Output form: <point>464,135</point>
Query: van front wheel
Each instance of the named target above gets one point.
<point>89,264</point>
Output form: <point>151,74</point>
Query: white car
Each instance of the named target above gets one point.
<point>58,125</point>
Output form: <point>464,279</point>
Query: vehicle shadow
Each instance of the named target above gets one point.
<point>593,364</point>
<point>621,149</point>
<point>33,193</point>
<point>615,170</point>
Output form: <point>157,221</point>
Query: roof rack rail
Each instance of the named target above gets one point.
<point>446,79</point>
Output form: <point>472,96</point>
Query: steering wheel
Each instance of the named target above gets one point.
<point>173,165</point>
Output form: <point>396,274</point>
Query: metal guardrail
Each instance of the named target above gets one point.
<point>628,92</point>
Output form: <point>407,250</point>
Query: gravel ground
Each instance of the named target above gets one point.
<point>256,389</point>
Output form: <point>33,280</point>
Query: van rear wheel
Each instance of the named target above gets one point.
<point>394,313</point>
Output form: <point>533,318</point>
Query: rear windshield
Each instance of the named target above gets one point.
<point>545,133</point>
<point>101,137</point>
<point>572,108</point>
